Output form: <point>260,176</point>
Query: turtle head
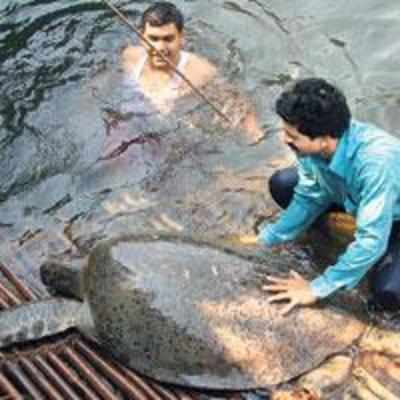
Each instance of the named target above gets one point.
<point>63,278</point>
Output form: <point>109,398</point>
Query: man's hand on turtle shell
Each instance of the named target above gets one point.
<point>294,290</point>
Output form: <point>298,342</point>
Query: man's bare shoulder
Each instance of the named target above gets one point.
<point>199,70</point>
<point>130,56</point>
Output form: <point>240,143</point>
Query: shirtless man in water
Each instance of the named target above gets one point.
<point>162,24</point>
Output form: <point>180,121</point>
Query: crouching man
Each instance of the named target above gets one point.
<point>342,163</point>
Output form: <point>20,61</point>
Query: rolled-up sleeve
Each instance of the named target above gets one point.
<point>374,224</point>
<point>309,201</point>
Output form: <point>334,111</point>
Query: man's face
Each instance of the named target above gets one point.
<point>301,144</point>
<point>167,40</point>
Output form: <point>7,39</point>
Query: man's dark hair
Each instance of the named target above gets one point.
<point>315,108</point>
<point>162,13</point>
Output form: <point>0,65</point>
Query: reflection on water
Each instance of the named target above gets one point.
<point>76,136</point>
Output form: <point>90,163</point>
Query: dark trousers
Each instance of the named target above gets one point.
<point>385,275</point>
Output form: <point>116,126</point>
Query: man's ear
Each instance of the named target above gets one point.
<point>330,143</point>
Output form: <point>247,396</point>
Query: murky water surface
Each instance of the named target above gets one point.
<point>84,156</point>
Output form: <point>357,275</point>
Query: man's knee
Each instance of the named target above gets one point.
<point>282,184</point>
<point>386,300</point>
<point>385,276</point>
<point>385,284</point>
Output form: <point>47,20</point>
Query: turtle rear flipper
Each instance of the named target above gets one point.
<point>40,319</point>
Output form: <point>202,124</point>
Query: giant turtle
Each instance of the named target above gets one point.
<point>186,312</point>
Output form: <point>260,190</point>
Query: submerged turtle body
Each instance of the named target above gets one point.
<point>185,312</point>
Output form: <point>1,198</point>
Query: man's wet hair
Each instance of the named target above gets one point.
<point>162,13</point>
<point>315,107</point>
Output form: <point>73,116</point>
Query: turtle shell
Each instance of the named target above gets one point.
<point>188,313</point>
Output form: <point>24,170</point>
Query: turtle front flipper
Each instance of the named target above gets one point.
<point>381,340</point>
<point>324,382</point>
<point>37,320</point>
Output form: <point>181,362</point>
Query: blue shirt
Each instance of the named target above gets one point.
<point>363,176</point>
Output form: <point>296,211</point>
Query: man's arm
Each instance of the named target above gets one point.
<point>374,224</point>
<point>310,200</point>
<point>226,96</point>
